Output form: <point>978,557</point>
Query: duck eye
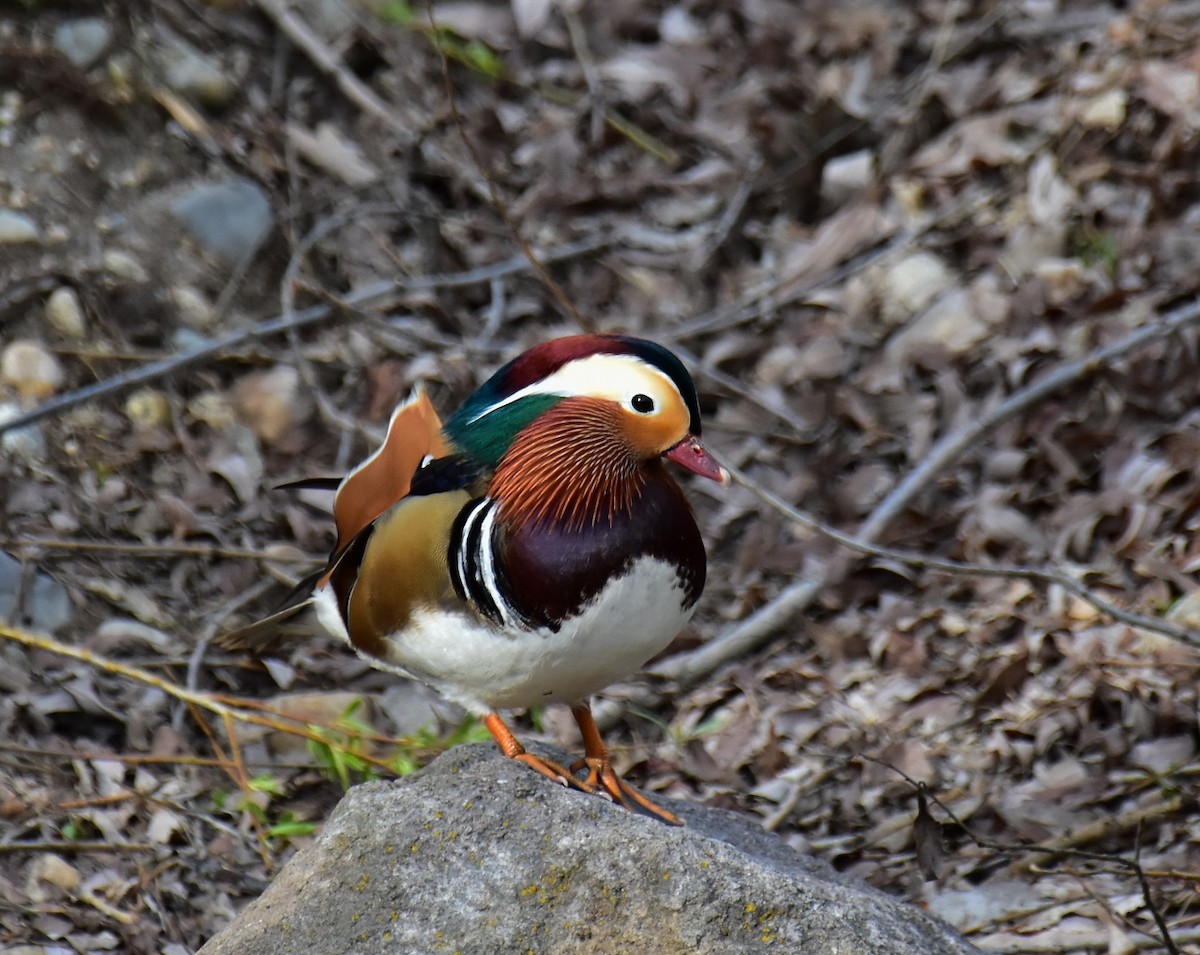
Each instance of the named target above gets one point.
<point>642,404</point>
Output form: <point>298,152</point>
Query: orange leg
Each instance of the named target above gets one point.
<point>602,776</point>
<point>511,748</point>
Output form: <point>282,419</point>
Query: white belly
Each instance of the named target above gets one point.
<point>484,669</point>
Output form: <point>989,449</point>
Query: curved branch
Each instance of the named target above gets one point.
<point>762,625</point>
<point>376,295</point>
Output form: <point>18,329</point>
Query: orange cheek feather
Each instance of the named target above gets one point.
<point>651,436</point>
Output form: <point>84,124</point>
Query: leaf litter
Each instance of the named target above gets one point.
<point>869,228</point>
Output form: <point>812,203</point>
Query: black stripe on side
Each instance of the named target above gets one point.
<point>466,572</point>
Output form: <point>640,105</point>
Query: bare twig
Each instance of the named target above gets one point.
<point>720,230</point>
<point>957,442</point>
<point>326,60</point>
<point>1099,942</point>
<point>1148,898</point>
<point>66,847</point>
<point>763,624</point>
<point>734,386</point>
<point>377,295</point>
<point>149,551</point>
<point>1085,19</point>
<point>556,290</point>
<point>587,63</point>
<point>943,566</point>
<point>287,303</point>
<point>782,290</point>
<point>1047,854</point>
<point>229,710</point>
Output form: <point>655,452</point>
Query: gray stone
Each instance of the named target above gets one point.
<point>190,72</point>
<point>83,41</point>
<point>230,219</point>
<point>64,312</point>
<point>46,604</point>
<point>17,228</point>
<point>479,855</point>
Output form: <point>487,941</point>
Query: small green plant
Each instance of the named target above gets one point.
<point>71,831</point>
<point>473,53</point>
<point>342,752</point>
<point>289,827</point>
<point>680,737</point>
<point>1095,247</point>
<point>399,12</point>
<point>263,789</point>
<point>426,742</point>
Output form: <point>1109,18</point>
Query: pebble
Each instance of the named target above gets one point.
<point>230,219</point>
<point>46,605</point>
<point>30,370</point>
<point>17,228</point>
<point>188,71</point>
<point>83,41</point>
<point>911,284</point>
<point>125,266</point>
<point>845,177</point>
<point>1106,111</point>
<point>680,28</point>
<point>188,339</point>
<point>193,308</point>
<point>147,408</point>
<point>64,312</point>
<point>15,674</point>
<point>272,402</point>
<point>27,444</point>
<point>55,870</point>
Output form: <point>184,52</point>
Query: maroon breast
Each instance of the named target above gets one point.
<point>550,571</point>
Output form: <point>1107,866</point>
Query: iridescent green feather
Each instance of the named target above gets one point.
<point>486,438</point>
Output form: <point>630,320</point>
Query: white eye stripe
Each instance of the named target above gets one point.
<point>617,377</point>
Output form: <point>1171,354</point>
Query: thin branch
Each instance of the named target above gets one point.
<point>963,568</point>
<point>1100,942</point>
<point>762,625</point>
<point>381,294</point>
<point>68,848</point>
<point>556,290</point>
<point>591,75</point>
<point>287,304</point>
<point>228,709</point>
<point>734,386</point>
<point>326,60</point>
<point>1148,898</point>
<point>1049,853</point>
<point>151,551</point>
<point>781,290</point>
<point>956,443</point>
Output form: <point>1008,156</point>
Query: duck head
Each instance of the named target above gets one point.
<point>578,424</point>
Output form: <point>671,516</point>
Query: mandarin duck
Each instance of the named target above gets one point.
<point>532,549</point>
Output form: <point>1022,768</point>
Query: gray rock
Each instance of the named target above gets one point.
<point>479,855</point>
<point>64,312</point>
<point>27,444</point>
<point>83,41</point>
<point>411,706</point>
<point>46,604</point>
<point>190,72</point>
<point>16,227</point>
<point>230,219</point>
